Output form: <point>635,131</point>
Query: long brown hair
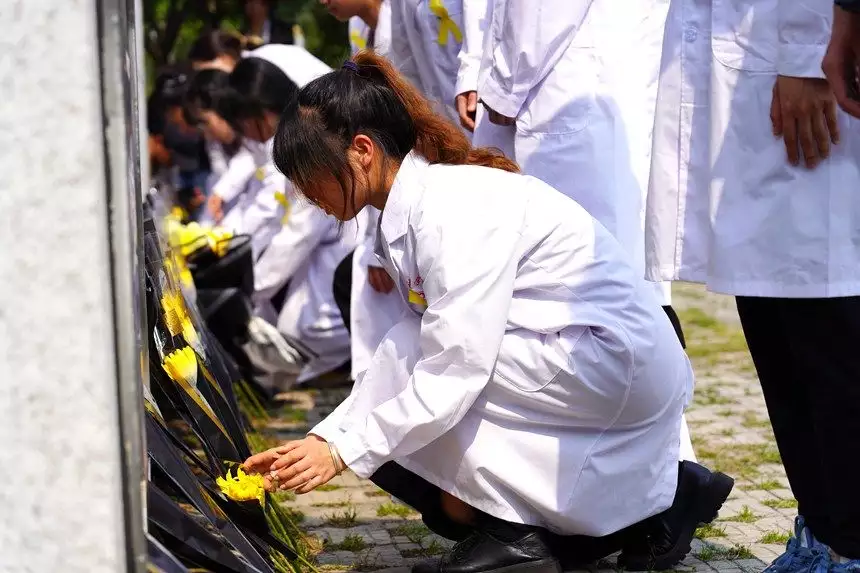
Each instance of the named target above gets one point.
<point>437,139</point>
<point>367,96</point>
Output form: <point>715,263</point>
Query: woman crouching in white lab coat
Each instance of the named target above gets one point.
<point>296,245</point>
<point>534,379</point>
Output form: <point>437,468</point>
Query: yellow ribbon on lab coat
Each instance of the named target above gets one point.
<point>281,198</point>
<point>446,24</point>
<point>357,40</point>
<point>417,298</point>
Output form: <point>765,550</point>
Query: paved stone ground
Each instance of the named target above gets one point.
<point>361,528</point>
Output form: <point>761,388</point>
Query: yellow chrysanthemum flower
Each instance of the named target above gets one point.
<point>181,364</point>
<point>176,317</point>
<point>219,240</point>
<point>242,486</point>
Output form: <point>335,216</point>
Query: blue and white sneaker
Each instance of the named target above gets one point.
<point>803,553</point>
<point>841,564</point>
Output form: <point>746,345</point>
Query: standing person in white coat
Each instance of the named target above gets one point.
<point>535,389</point>
<point>425,47</point>
<point>363,290</point>
<point>369,22</point>
<point>755,194</point>
<point>570,90</point>
<point>305,245</point>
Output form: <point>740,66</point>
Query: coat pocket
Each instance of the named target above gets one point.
<point>564,101</point>
<point>529,361</point>
<point>745,34</point>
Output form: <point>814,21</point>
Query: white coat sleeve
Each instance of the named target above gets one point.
<point>265,211</point>
<point>476,18</point>
<point>468,291</point>
<point>528,38</point>
<point>804,32</point>
<point>240,169</point>
<point>218,160</point>
<point>305,227</point>
<point>401,54</point>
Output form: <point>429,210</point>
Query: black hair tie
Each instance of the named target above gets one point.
<point>351,66</point>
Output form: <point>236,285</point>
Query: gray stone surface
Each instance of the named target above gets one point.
<point>60,492</point>
<point>730,432</point>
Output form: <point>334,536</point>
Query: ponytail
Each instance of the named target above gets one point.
<point>437,139</point>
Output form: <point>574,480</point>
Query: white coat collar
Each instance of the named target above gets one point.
<point>395,215</point>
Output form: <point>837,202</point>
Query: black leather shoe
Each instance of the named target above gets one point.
<point>662,541</point>
<point>483,553</point>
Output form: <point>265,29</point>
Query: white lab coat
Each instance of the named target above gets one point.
<point>580,77</point>
<point>726,209</point>
<point>372,313</point>
<point>426,51</point>
<point>235,188</point>
<point>359,32</point>
<point>542,384</point>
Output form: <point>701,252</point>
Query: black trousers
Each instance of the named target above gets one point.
<point>342,289</point>
<point>426,498</point>
<point>807,355</point>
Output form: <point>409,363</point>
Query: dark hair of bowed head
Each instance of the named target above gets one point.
<point>256,86</point>
<point>368,97</point>
<point>207,91</point>
<point>212,44</point>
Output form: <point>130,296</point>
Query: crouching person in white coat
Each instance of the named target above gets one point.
<point>301,246</point>
<point>755,193</point>
<point>535,385</point>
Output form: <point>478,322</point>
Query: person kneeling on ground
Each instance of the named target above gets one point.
<point>529,403</point>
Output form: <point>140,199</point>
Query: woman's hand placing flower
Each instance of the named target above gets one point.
<point>301,465</point>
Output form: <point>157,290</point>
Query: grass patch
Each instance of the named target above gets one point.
<point>350,543</point>
<point>738,460</point>
<point>389,509</point>
<point>698,318</point>
<point>714,553</point>
<point>745,516</point>
<point>751,420</point>
<point>329,487</point>
<point>728,432</point>
<point>290,414</point>
<point>282,496</point>
<point>766,485</point>
<point>433,548</point>
<point>346,518</point>
<point>710,340</point>
<point>295,515</point>
<point>365,563</point>
<point>780,503</point>
<point>710,396</point>
<point>709,531</point>
<point>413,531</point>
<point>774,537</point>
<point>725,413</point>
<point>376,493</point>
<point>331,504</point>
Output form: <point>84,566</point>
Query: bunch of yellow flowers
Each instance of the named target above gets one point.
<point>243,486</point>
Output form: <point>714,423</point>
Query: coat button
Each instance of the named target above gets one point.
<point>691,34</point>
